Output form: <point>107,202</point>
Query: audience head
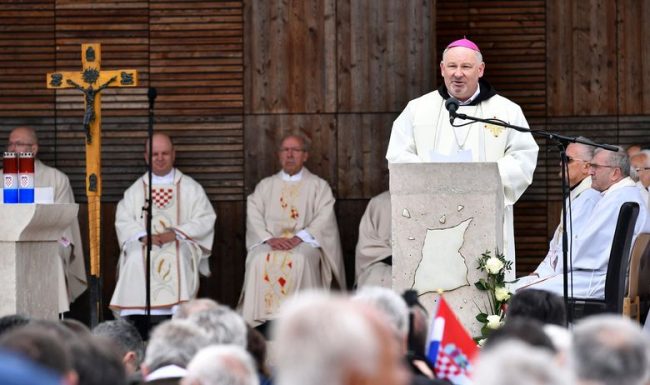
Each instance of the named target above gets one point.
<point>388,303</point>
<point>640,167</point>
<point>515,363</point>
<point>173,342</point>
<point>43,347</point>
<point>194,306</point>
<point>607,168</point>
<point>163,154</point>
<point>579,157</point>
<point>461,67</point>
<point>541,305</point>
<point>610,350</point>
<point>293,152</point>
<point>97,361</point>
<point>525,330</point>
<point>633,149</point>
<point>418,323</point>
<point>17,370</point>
<point>222,326</point>
<point>23,139</point>
<point>221,365</point>
<point>127,341</point>
<point>9,322</point>
<point>321,339</point>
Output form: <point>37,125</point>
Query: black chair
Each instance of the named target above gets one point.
<point>619,259</point>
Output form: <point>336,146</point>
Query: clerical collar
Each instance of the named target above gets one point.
<point>291,178</point>
<point>471,99</point>
<point>165,179</point>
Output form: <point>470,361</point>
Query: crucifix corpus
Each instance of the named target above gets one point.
<point>91,81</point>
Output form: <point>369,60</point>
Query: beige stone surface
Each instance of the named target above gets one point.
<point>464,202</point>
<point>29,235</point>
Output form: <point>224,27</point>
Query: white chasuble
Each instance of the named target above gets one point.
<point>423,133</point>
<point>374,244</point>
<point>181,207</point>
<point>285,209</point>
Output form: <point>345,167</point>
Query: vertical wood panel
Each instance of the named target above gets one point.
<point>290,56</point>
<point>385,53</point>
<point>633,65</point>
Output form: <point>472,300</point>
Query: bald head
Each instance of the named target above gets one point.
<point>163,154</point>
<point>23,139</point>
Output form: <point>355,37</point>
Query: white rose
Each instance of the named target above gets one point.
<point>493,265</point>
<point>501,293</point>
<point>482,342</point>
<point>493,321</point>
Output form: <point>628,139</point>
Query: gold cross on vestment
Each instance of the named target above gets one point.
<point>91,81</point>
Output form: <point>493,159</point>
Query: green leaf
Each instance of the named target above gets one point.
<point>482,317</point>
<point>480,285</point>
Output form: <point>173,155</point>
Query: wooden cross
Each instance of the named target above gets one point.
<point>91,81</point>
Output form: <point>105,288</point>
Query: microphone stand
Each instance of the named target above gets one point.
<point>151,95</point>
<point>562,142</point>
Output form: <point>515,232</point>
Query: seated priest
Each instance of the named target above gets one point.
<point>182,234</point>
<point>640,171</point>
<point>291,235</point>
<point>373,256</point>
<point>582,199</point>
<point>72,268</point>
<point>591,247</point>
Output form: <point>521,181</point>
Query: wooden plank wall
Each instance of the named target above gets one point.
<point>234,75</point>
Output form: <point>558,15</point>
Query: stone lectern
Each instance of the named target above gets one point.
<point>444,216</point>
<point>29,235</point>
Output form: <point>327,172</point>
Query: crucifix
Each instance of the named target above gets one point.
<point>91,81</point>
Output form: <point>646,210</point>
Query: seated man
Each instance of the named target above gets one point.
<point>640,170</point>
<point>182,235</point>
<point>582,200</point>
<point>72,268</point>
<point>291,236</point>
<point>592,245</point>
<point>373,257</point>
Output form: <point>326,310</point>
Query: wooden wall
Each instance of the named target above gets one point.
<point>233,76</point>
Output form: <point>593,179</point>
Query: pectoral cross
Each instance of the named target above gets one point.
<point>91,81</point>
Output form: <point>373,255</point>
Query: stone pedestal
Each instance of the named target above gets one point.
<point>29,235</point>
<point>444,216</point>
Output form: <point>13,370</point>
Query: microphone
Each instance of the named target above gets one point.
<point>452,105</point>
<point>151,95</point>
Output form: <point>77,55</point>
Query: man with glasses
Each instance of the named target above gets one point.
<point>292,236</point>
<point>581,201</point>
<point>610,175</point>
<point>640,172</point>
<point>72,268</point>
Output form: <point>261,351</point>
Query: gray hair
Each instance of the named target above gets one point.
<point>125,336</point>
<point>306,143</point>
<point>611,350</point>
<point>222,365</point>
<point>479,55</point>
<point>320,338</point>
<point>643,153</point>
<point>585,150</point>
<point>194,306</point>
<point>174,342</point>
<point>222,325</point>
<point>515,363</point>
<point>617,159</point>
<point>387,302</point>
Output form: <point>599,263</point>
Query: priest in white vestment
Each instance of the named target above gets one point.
<point>373,256</point>
<point>592,246</point>
<point>640,172</point>
<point>423,132</point>
<point>71,267</point>
<point>182,236</point>
<point>580,203</point>
<point>292,236</point>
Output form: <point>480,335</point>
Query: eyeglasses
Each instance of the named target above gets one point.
<point>570,159</point>
<point>597,166</point>
<point>291,149</point>
<point>19,144</point>
<point>639,169</point>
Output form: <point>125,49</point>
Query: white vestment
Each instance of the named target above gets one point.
<point>301,206</point>
<point>423,133</point>
<point>71,266</point>
<point>644,192</point>
<point>182,207</point>
<point>374,244</point>
<point>592,246</point>
<point>581,202</point>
